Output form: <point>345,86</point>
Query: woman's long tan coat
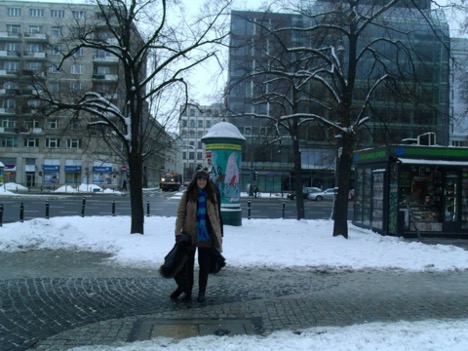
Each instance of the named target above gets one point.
<point>187,218</point>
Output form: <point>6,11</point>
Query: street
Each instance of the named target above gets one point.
<point>156,203</point>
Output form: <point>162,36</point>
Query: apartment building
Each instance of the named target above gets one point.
<point>41,151</point>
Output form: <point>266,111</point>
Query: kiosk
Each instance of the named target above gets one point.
<point>412,190</point>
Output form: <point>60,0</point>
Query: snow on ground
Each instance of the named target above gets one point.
<point>277,243</point>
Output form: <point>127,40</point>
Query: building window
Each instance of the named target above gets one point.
<point>102,70</point>
<point>10,85</point>
<point>75,87</point>
<point>15,47</point>
<point>36,12</point>
<point>9,104</point>
<point>32,48</point>
<point>52,143</point>
<point>9,123</point>
<point>57,13</point>
<point>73,143</point>
<point>77,69</point>
<point>208,124</point>
<point>13,12</point>
<point>13,29</point>
<point>9,142</point>
<point>74,125</point>
<point>32,124</point>
<point>56,31</point>
<point>11,66</point>
<point>53,87</point>
<point>52,124</point>
<point>35,66</point>
<point>56,50</point>
<point>79,14</point>
<point>54,68</point>
<point>35,29</point>
<point>79,52</point>
<point>200,123</point>
<point>31,142</point>
<point>34,103</point>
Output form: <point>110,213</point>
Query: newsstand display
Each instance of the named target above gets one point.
<point>410,190</point>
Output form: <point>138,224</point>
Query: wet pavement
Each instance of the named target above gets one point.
<point>56,300</point>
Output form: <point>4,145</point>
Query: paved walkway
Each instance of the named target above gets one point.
<point>55,300</point>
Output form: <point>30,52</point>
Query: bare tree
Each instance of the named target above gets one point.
<point>350,52</point>
<point>155,49</point>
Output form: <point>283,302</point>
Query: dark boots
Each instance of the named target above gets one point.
<point>175,295</point>
<point>201,297</point>
<point>177,292</point>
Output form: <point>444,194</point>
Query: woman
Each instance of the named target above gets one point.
<point>198,217</point>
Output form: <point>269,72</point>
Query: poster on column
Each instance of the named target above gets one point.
<point>223,161</point>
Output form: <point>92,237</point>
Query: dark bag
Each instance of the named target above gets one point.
<point>217,261</point>
<point>175,259</point>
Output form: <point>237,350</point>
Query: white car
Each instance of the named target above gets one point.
<point>328,194</point>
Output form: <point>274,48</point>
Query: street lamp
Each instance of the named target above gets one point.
<point>187,160</point>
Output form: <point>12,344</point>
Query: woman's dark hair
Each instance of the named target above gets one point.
<point>192,190</point>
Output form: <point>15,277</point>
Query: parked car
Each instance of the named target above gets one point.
<point>305,192</point>
<point>328,194</point>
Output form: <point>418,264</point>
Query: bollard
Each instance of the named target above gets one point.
<point>248,209</point>
<point>83,206</point>
<point>1,215</point>
<point>22,212</point>
<point>147,209</point>
<point>113,208</point>
<point>47,210</point>
<point>284,207</point>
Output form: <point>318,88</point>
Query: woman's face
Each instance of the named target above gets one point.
<point>201,182</point>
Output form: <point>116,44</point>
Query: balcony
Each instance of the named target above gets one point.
<point>4,72</point>
<point>112,41</point>
<point>36,36</point>
<point>110,58</point>
<point>7,130</point>
<point>108,77</point>
<point>7,111</point>
<point>9,92</point>
<point>35,55</point>
<point>9,35</point>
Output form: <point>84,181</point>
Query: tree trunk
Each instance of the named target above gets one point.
<point>136,194</point>
<point>340,211</point>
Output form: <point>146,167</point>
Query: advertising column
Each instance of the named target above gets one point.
<point>223,144</point>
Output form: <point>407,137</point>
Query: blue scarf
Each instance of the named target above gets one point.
<point>202,231</point>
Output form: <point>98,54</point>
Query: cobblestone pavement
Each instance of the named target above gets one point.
<point>55,300</point>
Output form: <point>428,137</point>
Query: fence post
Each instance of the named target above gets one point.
<point>1,215</point>
<point>21,212</point>
<point>47,210</point>
<point>148,209</point>
<point>83,206</point>
<point>113,208</point>
<point>248,209</point>
<point>284,207</point>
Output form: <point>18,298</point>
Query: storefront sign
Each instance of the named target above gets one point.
<point>73,169</point>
